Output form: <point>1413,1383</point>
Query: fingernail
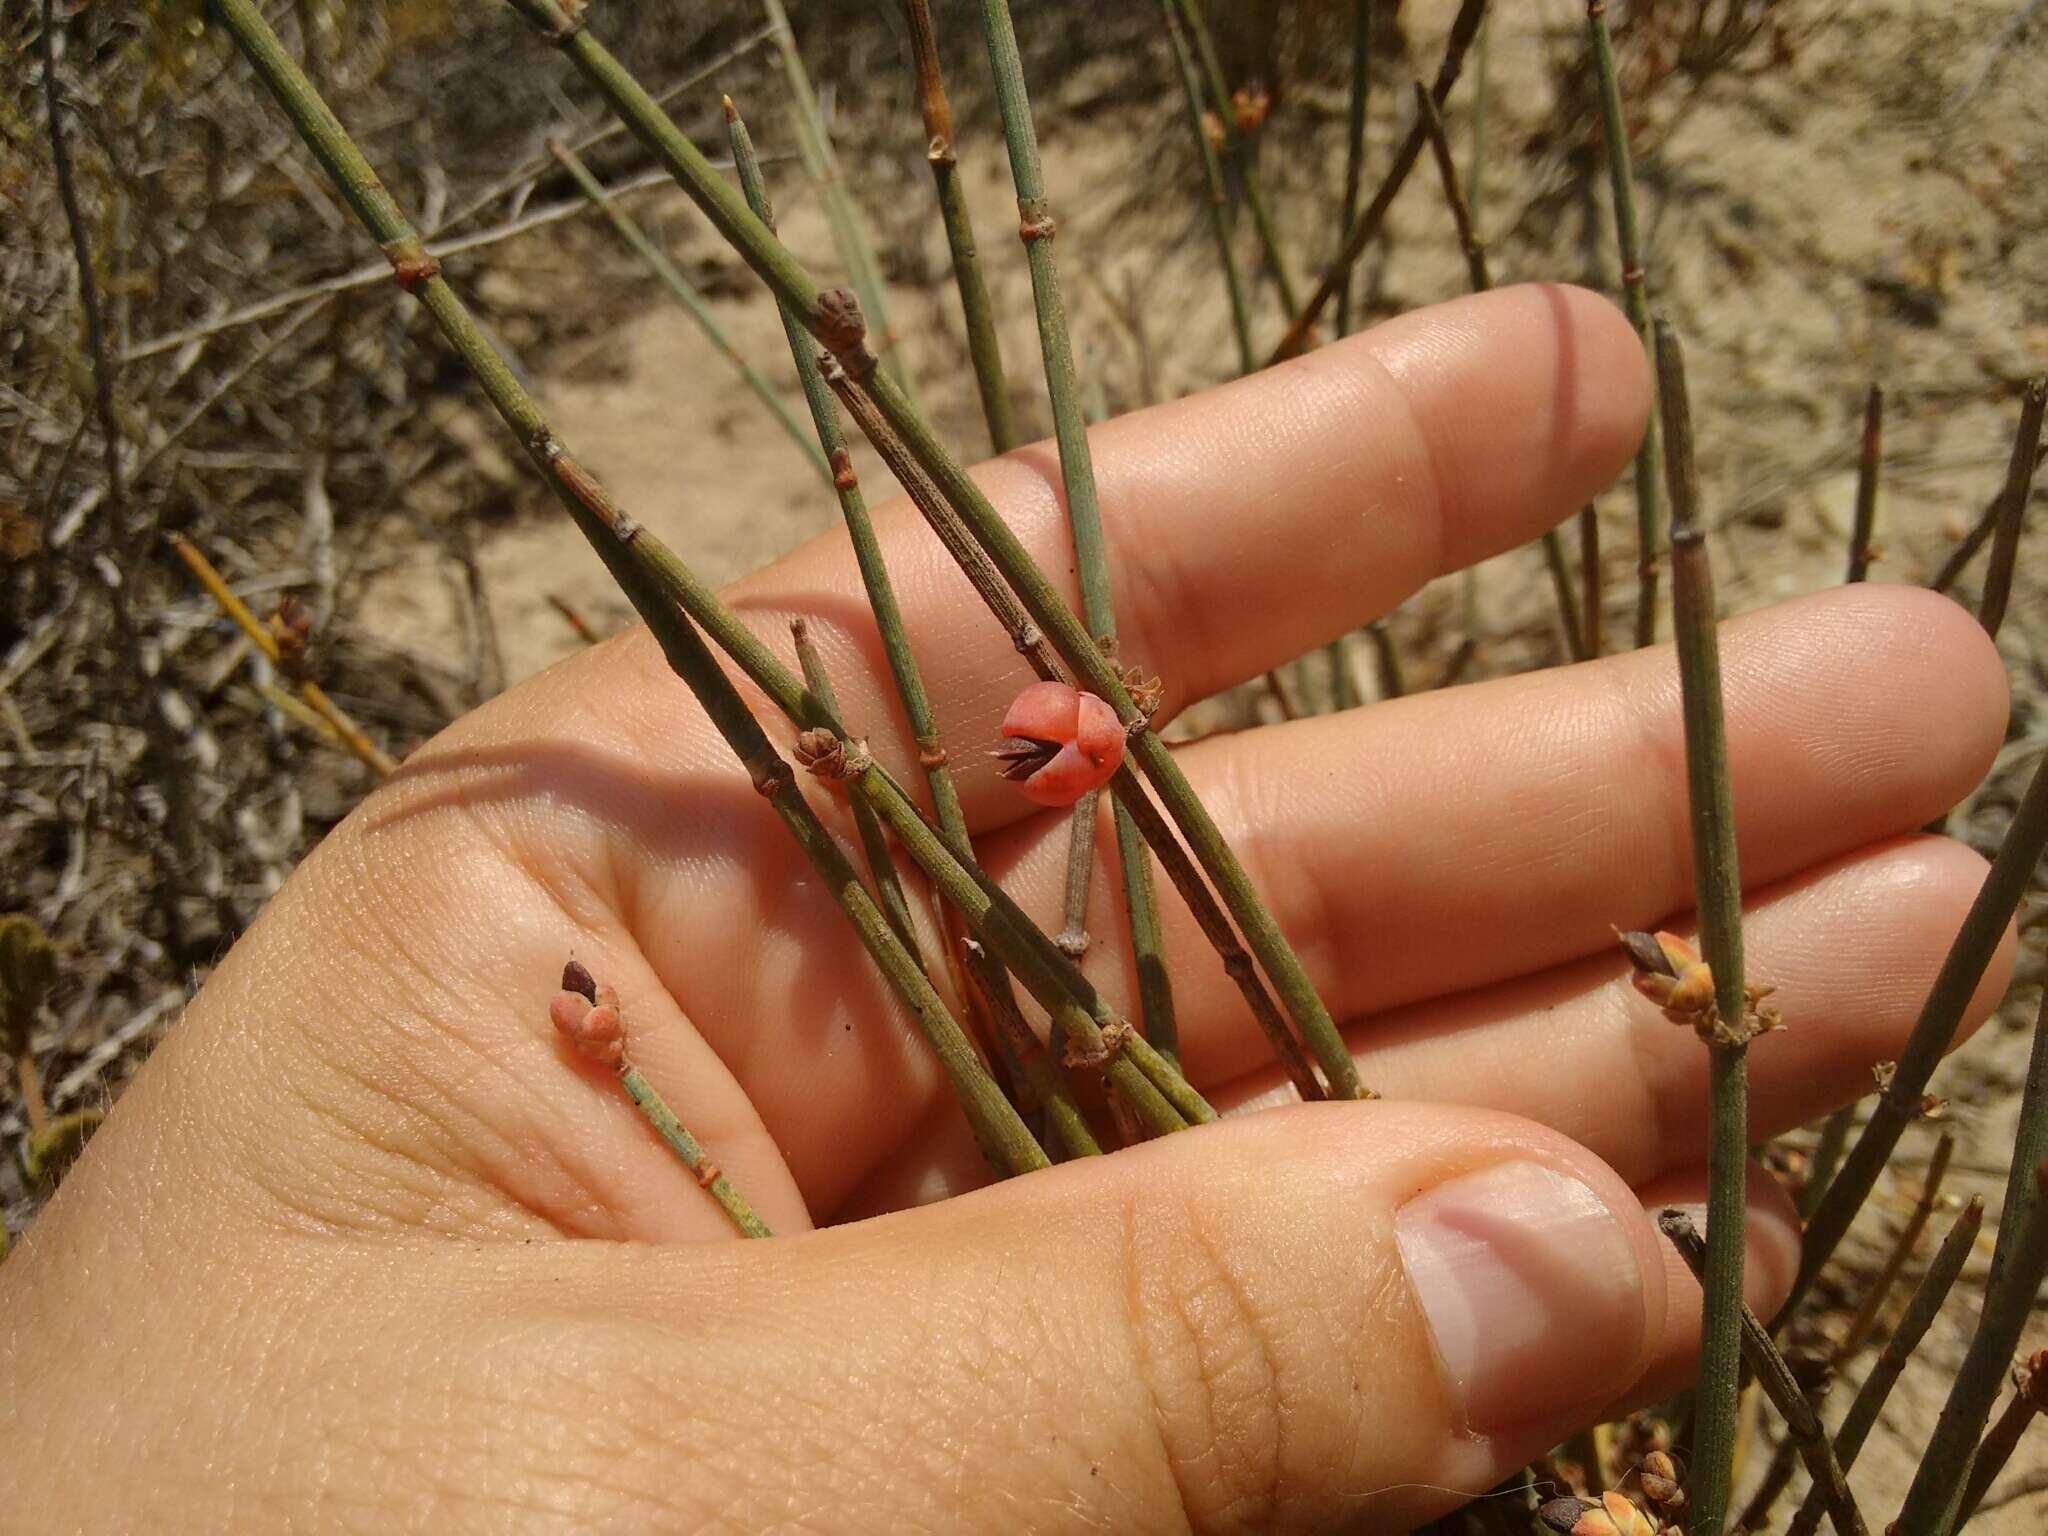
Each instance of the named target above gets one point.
<point>1531,1288</point>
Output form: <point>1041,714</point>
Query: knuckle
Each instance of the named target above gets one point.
<point>1221,1357</point>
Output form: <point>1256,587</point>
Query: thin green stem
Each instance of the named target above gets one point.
<point>1464,27</point>
<point>1084,513</point>
<point>1343,688</point>
<point>684,292</point>
<point>1926,1305</point>
<point>635,559</point>
<point>1212,177</point>
<point>2029,1391</point>
<point>1243,146</point>
<point>2029,1147</point>
<point>1880,1289</point>
<point>1717,886</point>
<point>2012,509</point>
<point>1591,581</point>
<point>990,982</point>
<point>1039,597</point>
<point>984,347</point>
<point>1476,269</point>
<point>691,1151</point>
<point>1937,1490</point>
<point>1636,295</point>
<point>1387,659</point>
<point>1979,534</point>
<point>821,164</point>
<point>1802,1424</point>
<point>1827,1157</point>
<point>1869,463</point>
<point>1901,1102</point>
<point>1149,826</point>
<point>1363,13</point>
<point>874,841</point>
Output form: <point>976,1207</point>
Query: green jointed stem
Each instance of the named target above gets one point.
<point>687,1147</point>
<point>1474,248</point>
<point>1879,1291</point>
<point>1827,1157</point>
<point>984,348</point>
<point>1464,26</point>
<point>821,164</point>
<point>1084,512</point>
<point>1635,293</point>
<point>1362,14</point>
<point>1774,1376</point>
<point>686,294</point>
<point>874,841</point>
<point>2004,1437</point>
<point>1244,148</point>
<point>1869,460</point>
<point>1131,796</point>
<point>2012,509</point>
<point>1717,885</point>
<point>1900,1104</point>
<point>758,246</point>
<point>636,560</point>
<point>1937,1489</point>
<point>2030,1146</point>
<point>991,981</point>
<point>1212,176</point>
<point>1918,1317</point>
<point>1590,583</point>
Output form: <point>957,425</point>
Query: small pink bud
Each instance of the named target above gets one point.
<point>595,1031</point>
<point>1059,743</point>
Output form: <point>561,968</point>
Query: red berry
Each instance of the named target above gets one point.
<point>1059,743</point>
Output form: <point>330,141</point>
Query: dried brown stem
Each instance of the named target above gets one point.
<point>2012,509</point>
<point>352,736</point>
<point>1869,461</point>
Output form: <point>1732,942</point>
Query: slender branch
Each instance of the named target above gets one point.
<point>1363,13</point>
<point>2029,1399</point>
<point>1880,1289</point>
<point>984,345</point>
<point>1918,1317</point>
<point>2029,1147</point>
<point>1593,641</point>
<point>1131,796</point>
<point>1048,610</point>
<point>821,163</point>
<point>635,559</point>
<point>350,735</point>
<point>1388,660</point>
<point>589,1020</point>
<point>874,841</point>
<point>1869,461</point>
<point>1802,1424</point>
<point>1635,294</point>
<point>1941,1013</point>
<point>1476,269</point>
<point>1827,1157</point>
<point>1244,148</point>
<point>1463,28</point>
<point>685,293</point>
<point>1979,534</point>
<point>88,283</point>
<point>1937,1490</point>
<point>1718,887</point>
<point>990,983</point>
<point>1212,177</point>
<point>2019,477</point>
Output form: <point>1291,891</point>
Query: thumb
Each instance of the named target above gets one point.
<point>1341,1315</point>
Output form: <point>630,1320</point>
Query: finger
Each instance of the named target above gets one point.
<point>1852,949</point>
<point>1330,1317</point>
<point>1458,838</point>
<point>1313,496</point>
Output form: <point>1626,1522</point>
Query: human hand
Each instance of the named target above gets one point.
<point>364,1245</point>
